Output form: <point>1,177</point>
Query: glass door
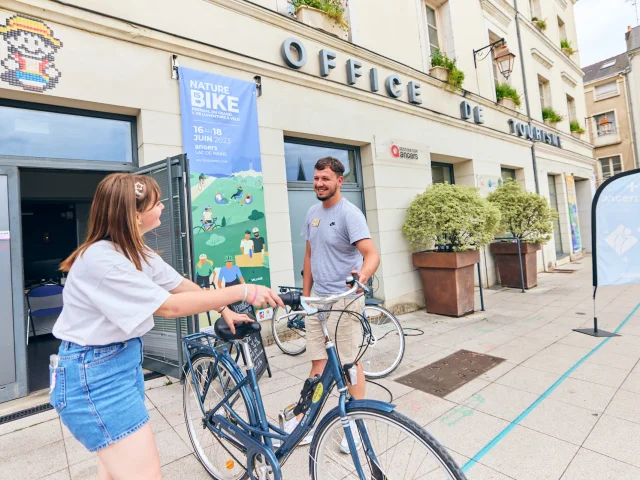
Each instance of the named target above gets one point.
<point>300,157</point>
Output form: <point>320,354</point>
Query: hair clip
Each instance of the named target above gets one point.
<point>139,190</point>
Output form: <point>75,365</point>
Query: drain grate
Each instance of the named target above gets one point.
<point>447,375</point>
<point>25,413</point>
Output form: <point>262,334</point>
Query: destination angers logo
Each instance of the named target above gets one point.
<point>403,152</point>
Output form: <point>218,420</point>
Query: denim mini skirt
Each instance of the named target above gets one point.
<point>99,391</point>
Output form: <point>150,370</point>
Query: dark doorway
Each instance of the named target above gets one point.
<point>55,214</point>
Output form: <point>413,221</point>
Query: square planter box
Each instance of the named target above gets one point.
<point>507,102</point>
<point>447,281</point>
<point>506,254</point>
<point>440,73</point>
<point>318,19</point>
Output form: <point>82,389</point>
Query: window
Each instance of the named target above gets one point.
<point>543,88</point>
<point>610,166</point>
<point>562,29</point>
<point>432,29</point>
<point>608,63</point>
<point>606,90</point>
<point>301,157</point>
<point>65,134</point>
<point>508,174</point>
<point>571,108</point>
<point>442,173</point>
<point>534,6</point>
<point>603,130</point>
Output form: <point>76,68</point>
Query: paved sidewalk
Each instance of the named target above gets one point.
<point>555,409</point>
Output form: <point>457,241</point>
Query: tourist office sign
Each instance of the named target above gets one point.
<point>295,56</point>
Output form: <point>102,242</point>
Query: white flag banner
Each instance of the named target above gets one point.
<point>616,230</point>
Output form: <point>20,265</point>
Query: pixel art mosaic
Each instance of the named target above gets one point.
<point>30,63</point>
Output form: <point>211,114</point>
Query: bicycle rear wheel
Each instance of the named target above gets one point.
<point>385,343</point>
<point>221,458</point>
<point>390,446</point>
<point>289,333</point>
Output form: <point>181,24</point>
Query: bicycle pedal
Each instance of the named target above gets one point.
<point>285,415</point>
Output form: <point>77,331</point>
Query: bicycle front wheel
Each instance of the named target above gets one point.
<point>289,332</point>
<point>222,458</point>
<point>384,342</point>
<point>390,446</point>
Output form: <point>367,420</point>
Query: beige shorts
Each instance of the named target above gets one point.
<point>349,331</point>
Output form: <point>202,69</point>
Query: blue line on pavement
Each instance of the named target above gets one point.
<point>521,417</point>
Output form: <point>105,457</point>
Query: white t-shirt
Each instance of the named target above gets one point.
<point>246,245</point>
<point>107,300</point>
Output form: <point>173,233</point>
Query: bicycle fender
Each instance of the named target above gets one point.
<point>253,447</point>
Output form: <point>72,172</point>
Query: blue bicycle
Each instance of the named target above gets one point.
<point>359,439</point>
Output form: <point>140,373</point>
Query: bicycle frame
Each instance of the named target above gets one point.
<point>256,439</point>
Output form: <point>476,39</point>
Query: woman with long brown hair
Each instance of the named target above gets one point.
<point>114,287</point>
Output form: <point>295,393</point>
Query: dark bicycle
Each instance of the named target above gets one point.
<point>360,439</point>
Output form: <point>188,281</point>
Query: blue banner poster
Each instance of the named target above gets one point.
<point>220,138</point>
<point>616,255</point>
<point>572,201</point>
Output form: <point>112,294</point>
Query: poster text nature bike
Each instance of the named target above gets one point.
<point>221,140</point>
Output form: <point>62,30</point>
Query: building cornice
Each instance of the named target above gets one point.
<point>569,80</point>
<point>588,162</point>
<point>491,9</point>
<point>541,58</point>
<point>563,4</point>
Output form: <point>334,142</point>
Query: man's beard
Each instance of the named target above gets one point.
<point>330,193</point>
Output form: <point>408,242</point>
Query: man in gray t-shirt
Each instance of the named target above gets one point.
<point>338,244</point>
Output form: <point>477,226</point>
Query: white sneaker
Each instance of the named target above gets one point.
<point>289,427</point>
<point>344,445</point>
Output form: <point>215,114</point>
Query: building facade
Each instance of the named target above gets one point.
<point>609,122</point>
<point>99,93</point>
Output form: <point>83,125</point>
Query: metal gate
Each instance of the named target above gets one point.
<point>162,345</point>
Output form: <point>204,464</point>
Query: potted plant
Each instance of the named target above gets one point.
<point>445,226</point>
<point>445,69</point>
<point>326,15</point>
<point>576,128</point>
<point>507,96</point>
<point>551,117</point>
<point>566,47</point>
<point>528,218</point>
<point>539,23</point>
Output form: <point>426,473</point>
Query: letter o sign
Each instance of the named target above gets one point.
<point>288,56</point>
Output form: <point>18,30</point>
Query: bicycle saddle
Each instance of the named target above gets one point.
<point>243,329</point>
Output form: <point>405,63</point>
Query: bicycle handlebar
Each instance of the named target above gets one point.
<point>295,300</point>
